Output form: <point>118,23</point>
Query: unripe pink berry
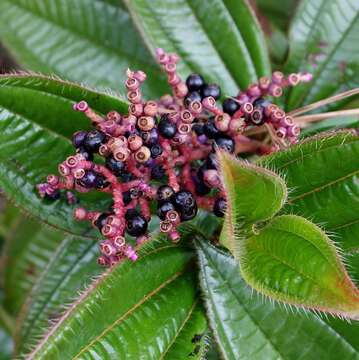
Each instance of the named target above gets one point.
<point>150,108</point>
<point>277,77</point>
<point>107,248</point>
<point>134,96</point>
<point>293,131</point>
<point>119,242</point>
<point>132,84</point>
<point>71,161</point>
<point>114,116</point>
<point>236,126</point>
<point>254,91</point>
<point>143,154</point>
<point>135,109</point>
<point>115,221</point>
<point>186,116</point>
<point>63,169</point>
<point>103,261</point>
<point>52,180</point>
<point>181,90</point>
<point>222,122</point>
<point>121,153</point>
<point>247,108</point>
<point>81,106</point>
<point>146,123</point>
<point>166,226</point>
<point>275,90</point>
<point>134,142</point>
<point>211,178</point>
<point>80,214</point>
<point>195,107</point>
<point>109,230</point>
<point>184,128</point>
<point>174,236</point>
<point>281,132</point>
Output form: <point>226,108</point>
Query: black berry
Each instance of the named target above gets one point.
<point>157,172</point>
<point>101,182</point>
<point>150,137</point>
<point>226,143</point>
<point>219,207</point>
<point>136,225</point>
<point>164,193</point>
<point>86,154</point>
<point>164,208</point>
<point>89,180</point>
<point>93,140</point>
<point>211,90</point>
<point>166,128</point>
<point>198,129</point>
<point>192,96</point>
<point>130,214</point>
<point>55,195</point>
<point>185,204</point>
<point>101,220</point>
<point>210,129</point>
<point>117,167</point>
<point>156,151</point>
<point>194,82</point>
<point>211,161</point>
<point>200,187</point>
<point>230,106</point>
<point>126,196</point>
<point>78,138</point>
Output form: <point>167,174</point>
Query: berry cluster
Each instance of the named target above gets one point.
<point>165,152</point>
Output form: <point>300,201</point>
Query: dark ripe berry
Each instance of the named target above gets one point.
<point>230,106</point>
<point>164,193</point>
<point>226,143</point>
<point>211,161</point>
<point>211,90</point>
<point>210,129</point>
<point>156,151</point>
<point>192,96</point>
<point>86,154</point>
<point>130,214</point>
<point>200,187</point>
<point>157,172</point>
<point>89,180</point>
<point>93,140</point>
<point>55,195</point>
<point>198,129</point>
<point>101,182</point>
<point>164,208</point>
<point>126,196</point>
<point>135,193</point>
<point>117,167</point>
<point>189,213</point>
<point>185,204</point>
<point>150,137</point>
<point>194,82</point>
<point>219,207</point>
<point>166,128</point>
<point>126,177</point>
<point>263,103</point>
<point>101,220</point>
<point>136,225</point>
<point>78,138</point>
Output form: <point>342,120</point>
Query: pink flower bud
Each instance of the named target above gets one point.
<point>135,109</point>
<point>150,108</point>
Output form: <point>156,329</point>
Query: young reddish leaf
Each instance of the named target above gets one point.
<point>292,260</point>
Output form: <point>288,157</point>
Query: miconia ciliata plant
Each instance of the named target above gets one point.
<point>210,211</point>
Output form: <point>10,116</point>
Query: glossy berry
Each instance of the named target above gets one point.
<point>131,213</point>
<point>219,207</point>
<point>164,193</point>
<point>198,129</point>
<point>53,196</point>
<point>126,196</point>
<point>78,138</point>
<point>157,172</point>
<point>164,208</point>
<point>101,220</point>
<point>93,140</point>
<point>226,143</point>
<point>166,128</point>
<point>156,151</point>
<point>201,188</point>
<point>261,102</point>
<point>185,204</point>
<point>150,137</point>
<point>86,154</point>
<point>136,225</point>
<point>192,96</point>
<point>126,177</point>
<point>230,106</point>
<point>101,182</point>
<point>211,161</point>
<point>211,90</point>
<point>89,180</point>
<point>117,167</point>
<point>210,130</point>
<point>194,82</point>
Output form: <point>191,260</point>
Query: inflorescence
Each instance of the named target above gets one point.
<point>165,151</point>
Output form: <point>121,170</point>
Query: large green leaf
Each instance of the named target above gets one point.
<point>84,40</point>
<point>322,175</point>
<point>292,260</point>
<point>154,298</point>
<point>200,32</point>
<point>28,249</point>
<point>245,327</point>
<point>324,39</point>
<point>36,119</point>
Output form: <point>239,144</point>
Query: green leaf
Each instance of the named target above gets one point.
<point>322,174</point>
<point>36,119</point>
<point>253,194</point>
<point>258,330</point>
<point>154,297</point>
<point>69,271</point>
<point>83,40</point>
<point>199,38</point>
<point>5,345</point>
<point>292,260</point>
<point>324,40</point>
<point>28,249</point>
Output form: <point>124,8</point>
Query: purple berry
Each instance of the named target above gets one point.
<point>219,207</point>
<point>211,90</point>
<point>164,208</point>
<point>194,82</point>
<point>78,138</point>
<point>136,225</point>
<point>230,106</point>
<point>93,140</point>
<point>166,128</point>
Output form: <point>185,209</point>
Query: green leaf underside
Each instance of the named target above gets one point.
<point>254,194</point>
<point>27,253</point>
<point>198,38</point>
<point>324,39</point>
<point>69,271</point>
<point>83,40</point>
<point>246,327</point>
<point>157,301</point>
<point>322,175</point>
<point>292,260</point>
<point>35,116</point>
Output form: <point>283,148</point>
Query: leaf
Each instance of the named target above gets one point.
<point>253,195</point>
<point>28,250</point>
<point>195,30</point>
<point>156,299</point>
<point>245,327</point>
<point>35,116</point>
<point>292,260</point>
<point>322,174</point>
<point>5,345</point>
<point>324,40</point>
<point>87,40</point>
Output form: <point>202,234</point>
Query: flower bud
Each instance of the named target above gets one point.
<point>134,142</point>
<point>146,123</point>
<point>222,122</point>
<point>135,109</point>
<point>142,154</point>
<point>150,108</point>
<point>121,153</point>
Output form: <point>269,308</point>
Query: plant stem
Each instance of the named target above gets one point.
<point>328,115</point>
<point>6,321</point>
